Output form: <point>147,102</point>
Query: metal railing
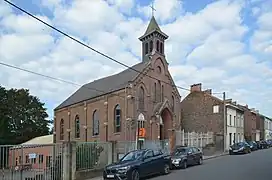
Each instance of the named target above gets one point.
<point>37,162</point>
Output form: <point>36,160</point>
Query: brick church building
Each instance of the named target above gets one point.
<point>115,107</point>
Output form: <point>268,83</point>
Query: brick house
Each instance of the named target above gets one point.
<point>203,112</point>
<point>107,109</point>
<point>260,120</point>
<point>250,130</point>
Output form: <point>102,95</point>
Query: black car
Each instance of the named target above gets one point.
<point>239,148</point>
<point>186,156</point>
<point>262,144</point>
<point>138,164</point>
<point>253,145</point>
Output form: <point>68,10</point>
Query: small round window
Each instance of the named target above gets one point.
<point>158,69</point>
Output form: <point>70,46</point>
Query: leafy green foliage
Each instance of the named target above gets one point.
<point>87,156</point>
<point>22,116</point>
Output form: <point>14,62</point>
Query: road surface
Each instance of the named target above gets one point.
<point>256,165</point>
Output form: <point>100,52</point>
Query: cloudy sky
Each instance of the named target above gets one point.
<point>226,45</point>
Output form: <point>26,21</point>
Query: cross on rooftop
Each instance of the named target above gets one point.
<point>152,7</point>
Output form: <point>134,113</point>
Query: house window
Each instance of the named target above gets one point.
<point>117,118</point>
<point>158,45</point>
<point>158,69</point>
<point>216,109</point>
<point>33,160</point>
<point>95,123</point>
<point>77,127</point>
<point>173,103</point>
<point>234,121</point>
<point>48,161</point>
<point>61,129</point>
<point>146,48</point>
<point>26,159</point>
<point>141,99</point>
<point>40,159</point>
<point>150,46</point>
<point>230,138</point>
<point>230,119</point>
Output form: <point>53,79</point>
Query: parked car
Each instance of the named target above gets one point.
<point>253,145</point>
<point>138,164</point>
<point>186,156</point>
<point>269,142</point>
<point>262,144</point>
<point>240,148</point>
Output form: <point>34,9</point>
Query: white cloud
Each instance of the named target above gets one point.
<point>206,46</point>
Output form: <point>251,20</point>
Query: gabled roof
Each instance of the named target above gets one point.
<point>47,139</point>
<point>103,86</point>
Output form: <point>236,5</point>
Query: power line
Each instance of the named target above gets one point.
<point>61,80</point>
<point>89,47</point>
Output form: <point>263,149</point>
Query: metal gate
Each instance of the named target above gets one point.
<point>31,162</point>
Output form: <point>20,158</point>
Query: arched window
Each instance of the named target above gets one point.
<point>162,93</point>
<point>161,48</point>
<point>155,92</point>
<point>95,123</point>
<point>150,46</point>
<point>77,127</point>
<point>159,92</point>
<point>141,99</point>
<point>61,129</point>
<point>146,48</point>
<point>158,45</point>
<point>117,118</point>
<point>173,103</point>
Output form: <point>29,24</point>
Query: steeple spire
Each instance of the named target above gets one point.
<point>152,40</point>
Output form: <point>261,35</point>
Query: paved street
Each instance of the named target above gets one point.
<point>256,165</point>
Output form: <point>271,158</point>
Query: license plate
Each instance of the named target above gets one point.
<point>235,150</point>
<point>110,176</point>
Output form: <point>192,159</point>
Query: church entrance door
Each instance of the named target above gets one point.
<point>165,124</point>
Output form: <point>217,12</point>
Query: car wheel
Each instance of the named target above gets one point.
<point>184,165</point>
<point>166,169</point>
<point>200,161</point>
<point>135,175</point>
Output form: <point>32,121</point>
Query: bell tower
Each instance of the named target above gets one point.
<point>152,40</point>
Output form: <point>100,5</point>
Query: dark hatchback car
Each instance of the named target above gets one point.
<point>239,148</point>
<point>186,156</point>
<point>138,164</point>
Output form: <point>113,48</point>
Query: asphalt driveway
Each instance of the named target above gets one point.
<point>256,165</point>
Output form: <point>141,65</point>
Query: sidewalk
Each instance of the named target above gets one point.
<point>204,158</point>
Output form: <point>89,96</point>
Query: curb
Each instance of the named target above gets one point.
<point>215,156</point>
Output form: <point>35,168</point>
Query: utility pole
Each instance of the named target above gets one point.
<point>224,119</point>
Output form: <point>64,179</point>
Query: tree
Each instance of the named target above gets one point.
<point>22,116</point>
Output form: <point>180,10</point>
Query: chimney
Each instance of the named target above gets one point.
<point>196,87</point>
<point>246,106</point>
<point>234,102</point>
<point>208,91</point>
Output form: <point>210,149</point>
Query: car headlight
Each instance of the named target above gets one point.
<point>242,148</point>
<point>230,148</point>
<point>177,160</point>
<point>123,169</point>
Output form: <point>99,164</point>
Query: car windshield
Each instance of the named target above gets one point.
<point>240,144</point>
<point>181,151</point>
<point>250,143</point>
<point>132,156</point>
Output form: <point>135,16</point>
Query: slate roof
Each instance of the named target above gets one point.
<point>103,86</point>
